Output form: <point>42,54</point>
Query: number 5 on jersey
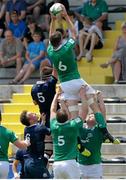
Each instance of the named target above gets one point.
<point>61,140</point>
<point>41,97</point>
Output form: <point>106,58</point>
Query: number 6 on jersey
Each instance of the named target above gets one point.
<point>62,67</point>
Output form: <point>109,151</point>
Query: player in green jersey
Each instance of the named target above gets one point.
<point>63,57</point>
<point>92,136</point>
<point>64,134</point>
<point>7,136</point>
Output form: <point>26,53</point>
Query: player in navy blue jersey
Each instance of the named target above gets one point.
<point>43,91</point>
<point>34,163</point>
<point>19,158</point>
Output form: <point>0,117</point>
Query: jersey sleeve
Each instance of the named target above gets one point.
<point>33,94</point>
<point>70,43</point>
<point>100,120</point>
<point>79,122</point>
<point>18,155</point>
<point>104,7</point>
<point>45,130</point>
<point>52,82</point>
<point>12,137</point>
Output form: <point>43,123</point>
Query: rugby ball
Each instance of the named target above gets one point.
<point>56,8</point>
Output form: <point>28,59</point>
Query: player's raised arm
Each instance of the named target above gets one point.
<point>52,24</point>
<point>69,23</point>
<point>54,106</point>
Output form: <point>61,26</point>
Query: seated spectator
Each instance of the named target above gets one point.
<point>32,27</point>
<point>11,51</point>
<point>97,10</point>
<point>2,16</point>
<point>118,59</point>
<point>17,26</point>
<point>90,38</point>
<point>36,7</point>
<point>19,6</point>
<point>74,21</point>
<point>76,25</point>
<point>35,54</point>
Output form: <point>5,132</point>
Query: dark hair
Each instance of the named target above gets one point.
<point>24,119</point>
<point>37,33</point>
<point>61,116</point>
<point>14,12</point>
<point>88,19</point>
<point>30,20</point>
<point>60,30</point>
<point>71,13</point>
<point>55,39</point>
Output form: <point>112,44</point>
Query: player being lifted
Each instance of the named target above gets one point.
<point>63,57</point>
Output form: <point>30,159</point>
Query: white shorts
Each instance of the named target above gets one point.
<point>71,89</point>
<point>4,169</point>
<point>67,169</point>
<point>91,171</point>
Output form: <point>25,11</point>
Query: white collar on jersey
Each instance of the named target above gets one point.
<point>40,82</point>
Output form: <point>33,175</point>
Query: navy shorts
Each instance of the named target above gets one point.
<point>35,168</point>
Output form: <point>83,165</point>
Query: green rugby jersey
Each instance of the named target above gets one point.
<point>6,136</point>
<point>64,61</point>
<point>91,139</point>
<point>64,137</point>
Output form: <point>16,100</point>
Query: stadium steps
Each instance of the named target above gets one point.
<point>118,24</point>
<point>114,170</point>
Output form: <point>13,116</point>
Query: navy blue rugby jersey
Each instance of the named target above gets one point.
<point>43,93</point>
<point>36,134</point>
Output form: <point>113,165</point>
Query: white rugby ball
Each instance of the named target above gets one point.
<point>56,8</point>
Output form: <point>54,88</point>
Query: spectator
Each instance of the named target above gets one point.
<point>35,54</point>
<point>11,51</point>
<point>2,16</point>
<point>118,59</point>
<point>97,10</point>
<point>17,26</point>
<point>34,164</point>
<point>19,6</point>
<point>7,136</point>
<point>90,38</point>
<point>73,19</point>
<point>32,27</point>
<point>35,7</point>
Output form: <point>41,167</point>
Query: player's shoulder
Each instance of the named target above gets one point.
<point>53,78</point>
<point>50,48</point>
<point>76,121</point>
<point>71,40</point>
